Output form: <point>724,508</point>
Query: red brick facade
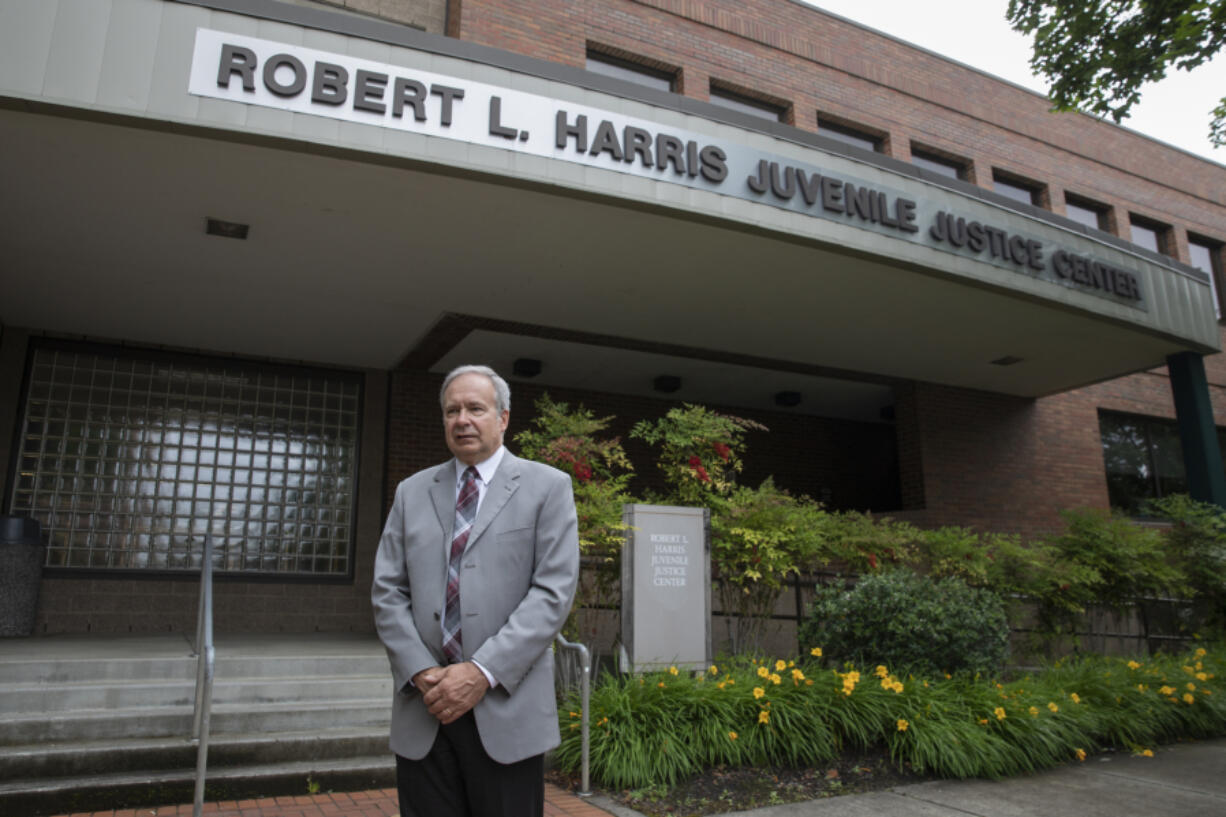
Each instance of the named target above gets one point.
<point>961,457</point>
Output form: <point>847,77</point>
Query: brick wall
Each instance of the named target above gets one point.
<point>824,65</point>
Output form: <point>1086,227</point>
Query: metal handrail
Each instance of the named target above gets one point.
<point>204,673</point>
<point>585,695</point>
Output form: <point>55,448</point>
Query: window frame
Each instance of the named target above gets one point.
<point>856,136</point>
<point>1036,191</point>
<point>939,163</point>
<point>189,363</point>
<point>748,103</point>
<point>1214,250</point>
<point>631,70</point>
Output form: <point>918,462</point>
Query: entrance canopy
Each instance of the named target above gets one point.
<point>377,195</point>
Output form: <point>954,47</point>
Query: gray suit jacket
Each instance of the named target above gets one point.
<point>517,582</point>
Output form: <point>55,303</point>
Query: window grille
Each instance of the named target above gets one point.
<point>129,459</point>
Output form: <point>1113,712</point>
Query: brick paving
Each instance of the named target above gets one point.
<point>377,803</point>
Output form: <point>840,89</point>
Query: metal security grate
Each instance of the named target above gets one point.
<point>128,460</point>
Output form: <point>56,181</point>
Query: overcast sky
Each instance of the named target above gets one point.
<point>975,32</point>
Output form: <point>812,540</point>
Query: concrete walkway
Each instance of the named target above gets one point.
<point>1185,780</point>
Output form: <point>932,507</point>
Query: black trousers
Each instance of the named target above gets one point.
<point>458,779</point>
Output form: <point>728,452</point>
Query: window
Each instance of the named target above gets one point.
<point>940,165</point>
<point>1149,234</point>
<point>748,105</point>
<point>1017,189</point>
<point>1083,211</point>
<point>849,135</point>
<point>1143,458</point>
<point>128,459</point>
<point>1206,255</point>
<point>659,79</point>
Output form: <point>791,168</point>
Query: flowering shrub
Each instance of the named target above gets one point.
<point>903,619</point>
<point>700,452</point>
<point>600,471</point>
<point>658,728</point>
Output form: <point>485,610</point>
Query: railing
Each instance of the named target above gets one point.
<point>585,695</point>
<point>204,673</point>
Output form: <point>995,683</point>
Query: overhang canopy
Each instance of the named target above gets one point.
<point>655,225</point>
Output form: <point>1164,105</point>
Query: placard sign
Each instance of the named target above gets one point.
<point>666,588</point>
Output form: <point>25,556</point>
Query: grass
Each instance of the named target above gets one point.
<point>655,730</point>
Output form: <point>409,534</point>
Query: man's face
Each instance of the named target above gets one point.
<point>473,424</point>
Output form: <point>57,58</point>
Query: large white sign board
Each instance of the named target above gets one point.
<point>666,588</point>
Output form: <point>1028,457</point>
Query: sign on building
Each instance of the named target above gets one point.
<point>666,588</point>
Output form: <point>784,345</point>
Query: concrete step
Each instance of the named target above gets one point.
<point>80,758</point>
<point>176,721</point>
<point>101,669</point>
<point>112,694</point>
<point>32,798</point>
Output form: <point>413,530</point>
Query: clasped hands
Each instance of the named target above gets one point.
<point>448,692</point>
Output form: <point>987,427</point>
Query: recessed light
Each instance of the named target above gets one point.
<point>526,367</point>
<point>667,383</point>
<point>226,229</point>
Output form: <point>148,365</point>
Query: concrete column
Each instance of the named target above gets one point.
<point>1201,455</point>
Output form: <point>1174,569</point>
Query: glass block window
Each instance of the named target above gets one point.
<point>128,459</point>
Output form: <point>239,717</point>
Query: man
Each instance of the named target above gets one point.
<point>474,577</point>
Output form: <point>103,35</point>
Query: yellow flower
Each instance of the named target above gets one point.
<point>1189,670</point>
<point>731,681</point>
<point>1166,690</point>
<point>763,672</point>
<point>764,717</point>
<point>1080,753</point>
<point>672,670</point>
<point>1191,687</point>
<point>732,735</point>
<point>1200,652</point>
<point>797,676</point>
<point>1034,711</point>
<point>1142,688</point>
<point>999,712</point>
<point>660,685</point>
<point>1133,665</point>
<point>774,678</point>
<point>983,721</point>
<point>898,687</point>
<point>714,670</point>
<point>1076,698</point>
<point>816,652</point>
<point>1188,698</point>
<point>881,671</point>
<point>781,665</point>
<point>758,692</point>
<point>808,682</point>
<point>602,721</point>
<point>948,676</point>
<point>722,684</point>
<point>1202,676</point>
<point>1052,706</point>
<point>574,714</point>
<point>902,725</point>
<point>1144,753</point>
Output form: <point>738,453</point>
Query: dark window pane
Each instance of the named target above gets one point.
<point>753,107</point>
<point>1088,216</point>
<point>937,164</point>
<point>638,74</point>
<point>1015,190</point>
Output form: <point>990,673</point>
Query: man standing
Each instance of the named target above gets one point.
<point>474,577</point>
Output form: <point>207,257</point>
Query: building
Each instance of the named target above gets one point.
<point>243,239</point>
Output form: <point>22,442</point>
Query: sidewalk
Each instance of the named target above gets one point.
<point>1183,780</point>
<point>378,803</point>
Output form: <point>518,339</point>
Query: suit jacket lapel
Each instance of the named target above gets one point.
<point>501,488</point>
<point>443,494</point>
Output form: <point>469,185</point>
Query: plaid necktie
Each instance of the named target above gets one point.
<point>465,511</point>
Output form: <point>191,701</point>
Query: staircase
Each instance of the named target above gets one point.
<point>88,723</point>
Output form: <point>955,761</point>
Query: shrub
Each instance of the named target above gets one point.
<point>1196,542</point>
<point>905,620</point>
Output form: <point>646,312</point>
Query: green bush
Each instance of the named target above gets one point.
<point>902,619</point>
<point>1196,542</point>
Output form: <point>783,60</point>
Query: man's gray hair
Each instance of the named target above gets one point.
<point>502,392</point>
